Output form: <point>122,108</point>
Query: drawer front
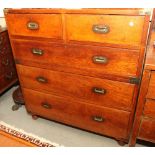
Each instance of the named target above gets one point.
<point>147,129</point>
<point>7,78</point>
<point>112,29</point>
<point>5,49</point>
<point>3,39</point>
<point>151,89</point>
<point>101,120</point>
<point>1,69</point>
<point>88,60</point>
<point>94,90</point>
<point>149,108</point>
<point>35,25</point>
<point>7,62</point>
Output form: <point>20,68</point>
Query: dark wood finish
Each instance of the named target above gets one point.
<point>78,114</point>
<point>65,68</point>
<point>18,98</point>
<point>8,76</point>
<point>143,127</point>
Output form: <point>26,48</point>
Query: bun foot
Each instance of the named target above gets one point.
<point>16,107</point>
<point>18,99</point>
<point>35,117</point>
<point>121,142</point>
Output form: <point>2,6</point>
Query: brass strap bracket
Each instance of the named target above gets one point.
<point>134,80</point>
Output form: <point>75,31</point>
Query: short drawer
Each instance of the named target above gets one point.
<point>70,111</point>
<point>87,60</point>
<point>151,88</point>
<point>93,90</point>
<point>147,129</point>
<point>149,108</point>
<point>35,25</point>
<point>110,29</point>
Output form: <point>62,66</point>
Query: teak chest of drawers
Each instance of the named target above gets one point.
<point>144,123</point>
<point>8,75</point>
<point>80,67</point>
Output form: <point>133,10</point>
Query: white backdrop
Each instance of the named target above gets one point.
<point>75,4</point>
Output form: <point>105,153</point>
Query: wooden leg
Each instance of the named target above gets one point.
<point>16,107</point>
<point>132,142</point>
<point>18,99</point>
<point>121,142</point>
<point>35,117</point>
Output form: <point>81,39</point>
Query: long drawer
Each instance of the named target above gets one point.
<point>147,129</point>
<point>70,111</point>
<point>88,60</point>
<point>111,29</point>
<point>94,90</point>
<point>35,25</point>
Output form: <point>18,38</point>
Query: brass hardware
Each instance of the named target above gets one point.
<point>9,76</point>
<point>6,11</point>
<point>100,59</point>
<point>99,90</point>
<point>41,79</point>
<point>146,11</point>
<point>36,51</point>
<point>5,62</point>
<point>101,29</point>
<point>134,80</point>
<point>46,105</point>
<point>98,118</point>
<point>32,25</point>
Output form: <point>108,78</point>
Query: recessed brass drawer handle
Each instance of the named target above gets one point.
<point>99,90</point>
<point>5,62</point>
<point>46,105</point>
<point>41,79</point>
<point>101,29</point>
<point>36,51</point>
<point>32,25</point>
<point>98,118</point>
<point>100,59</point>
